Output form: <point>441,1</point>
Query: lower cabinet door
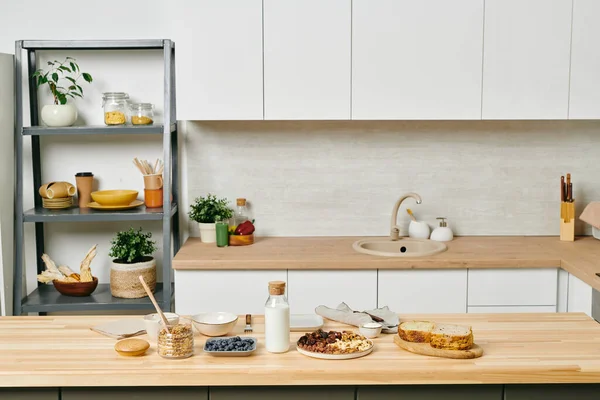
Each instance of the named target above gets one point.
<point>29,394</point>
<point>510,309</point>
<point>135,393</point>
<point>239,292</point>
<point>423,291</point>
<point>309,289</point>
<point>552,392</point>
<point>431,392</point>
<point>287,393</point>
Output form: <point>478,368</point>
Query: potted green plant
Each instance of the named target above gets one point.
<point>63,80</point>
<point>132,256</point>
<point>206,211</point>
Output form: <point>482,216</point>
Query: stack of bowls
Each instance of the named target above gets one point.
<point>57,204</point>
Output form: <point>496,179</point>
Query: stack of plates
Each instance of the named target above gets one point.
<point>57,204</point>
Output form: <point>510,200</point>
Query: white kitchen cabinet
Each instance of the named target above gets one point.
<point>219,59</point>
<point>239,292</point>
<point>417,59</point>
<point>309,289</point>
<point>307,59</point>
<point>526,59</point>
<point>423,291</point>
<point>584,100</point>
<point>513,287</point>
<point>579,297</point>
<point>510,309</point>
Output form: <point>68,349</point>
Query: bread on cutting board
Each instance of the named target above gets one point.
<point>416,331</point>
<point>439,336</point>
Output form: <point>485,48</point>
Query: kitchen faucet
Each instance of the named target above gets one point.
<point>394,231</point>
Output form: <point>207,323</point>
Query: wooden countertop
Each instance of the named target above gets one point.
<point>581,258</point>
<point>518,348</point>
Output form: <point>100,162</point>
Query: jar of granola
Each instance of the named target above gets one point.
<point>142,113</point>
<point>177,343</point>
<point>115,107</point>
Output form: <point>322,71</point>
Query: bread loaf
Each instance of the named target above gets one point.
<point>415,331</point>
<point>451,337</point>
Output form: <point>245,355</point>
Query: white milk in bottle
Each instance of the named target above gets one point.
<point>277,319</point>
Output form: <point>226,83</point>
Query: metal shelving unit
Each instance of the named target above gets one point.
<point>45,298</point>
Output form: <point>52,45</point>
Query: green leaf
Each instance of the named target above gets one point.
<point>62,98</point>
<point>80,88</point>
<point>77,94</point>
<point>63,68</point>
<point>87,77</point>
<point>73,66</point>
<point>55,77</point>
<point>50,63</point>
<point>71,79</point>
<point>70,58</point>
<point>72,87</point>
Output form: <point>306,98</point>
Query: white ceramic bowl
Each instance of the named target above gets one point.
<point>370,330</point>
<point>153,323</point>
<point>215,323</point>
<point>596,232</point>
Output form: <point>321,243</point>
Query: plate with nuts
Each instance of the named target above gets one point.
<point>334,345</point>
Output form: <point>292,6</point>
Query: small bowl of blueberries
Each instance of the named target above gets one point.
<point>234,346</point>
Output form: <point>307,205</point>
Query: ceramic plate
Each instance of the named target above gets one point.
<point>231,353</point>
<point>134,204</point>
<point>325,356</point>
<point>305,322</point>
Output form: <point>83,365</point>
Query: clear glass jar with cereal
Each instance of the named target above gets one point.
<point>142,113</point>
<point>115,107</point>
<point>178,343</point>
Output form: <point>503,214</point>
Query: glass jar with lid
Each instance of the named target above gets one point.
<point>178,342</point>
<point>115,107</point>
<point>141,113</point>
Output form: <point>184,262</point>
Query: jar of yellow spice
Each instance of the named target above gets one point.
<point>141,113</point>
<point>115,107</point>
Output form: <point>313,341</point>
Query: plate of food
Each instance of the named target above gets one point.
<point>334,345</point>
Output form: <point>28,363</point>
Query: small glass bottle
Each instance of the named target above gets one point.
<point>222,229</point>
<point>177,343</point>
<point>277,319</point>
<point>241,212</point>
<point>141,113</point>
<point>115,107</point>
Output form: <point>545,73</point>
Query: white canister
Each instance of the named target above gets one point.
<point>277,319</point>
<point>418,230</point>
<point>208,232</point>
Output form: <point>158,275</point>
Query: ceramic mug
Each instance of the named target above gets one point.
<point>153,198</point>
<point>153,323</point>
<point>153,182</point>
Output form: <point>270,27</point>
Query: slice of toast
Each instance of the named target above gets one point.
<point>451,337</point>
<point>416,331</point>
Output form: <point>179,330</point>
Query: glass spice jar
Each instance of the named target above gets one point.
<point>141,113</point>
<point>179,343</point>
<point>115,107</point>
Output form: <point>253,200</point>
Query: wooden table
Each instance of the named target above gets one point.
<point>580,258</point>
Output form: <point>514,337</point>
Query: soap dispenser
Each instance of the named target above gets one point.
<point>442,233</point>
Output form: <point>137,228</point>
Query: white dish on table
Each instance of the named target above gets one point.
<point>215,323</point>
<point>370,330</point>
<point>305,322</point>
<point>325,356</point>
<point>596,232</point>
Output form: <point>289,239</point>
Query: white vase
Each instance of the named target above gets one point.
<point>208,232</point>
<point>124,278</point>
<point>57,115</point>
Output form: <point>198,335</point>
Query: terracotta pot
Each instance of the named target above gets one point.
<point>124,278</point>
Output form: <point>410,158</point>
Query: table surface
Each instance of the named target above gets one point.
<point>580,258</point>
<point>62,351</point>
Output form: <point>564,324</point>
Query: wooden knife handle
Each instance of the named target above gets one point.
<point>248,319</point>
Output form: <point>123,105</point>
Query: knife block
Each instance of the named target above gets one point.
<point>567,221</point>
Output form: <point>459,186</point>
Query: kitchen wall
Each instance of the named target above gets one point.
<point>342,178</point>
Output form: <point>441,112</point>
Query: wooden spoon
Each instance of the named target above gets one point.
<point>410,213</point>
<point>153,300</point>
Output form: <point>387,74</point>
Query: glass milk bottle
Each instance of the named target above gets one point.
<point>277,319</point>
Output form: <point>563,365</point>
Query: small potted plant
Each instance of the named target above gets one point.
<point>132,256</point>
<point>206,211</point>
<point>63,80</point>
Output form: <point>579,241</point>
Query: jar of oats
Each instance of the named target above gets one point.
<point>115,108</point>
<point>177,343</point>
<point>141,113</point>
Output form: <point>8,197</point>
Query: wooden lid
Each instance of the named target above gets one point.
<point>241,201</point>
<point>276,288</point>
<point>132,347</point>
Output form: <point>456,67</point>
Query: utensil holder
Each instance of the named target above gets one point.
<point>567,221</point>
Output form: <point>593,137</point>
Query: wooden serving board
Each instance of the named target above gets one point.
<point>425,349</point>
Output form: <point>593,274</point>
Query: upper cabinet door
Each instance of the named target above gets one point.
<point>307,59</point>
<point>219,60</point>
<point>417,59</point>
<point>526,59</point>
<point>585,61</point>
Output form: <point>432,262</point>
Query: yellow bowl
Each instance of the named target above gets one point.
<point>114,197</point>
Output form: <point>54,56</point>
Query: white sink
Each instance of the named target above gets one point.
<point>399,248</point>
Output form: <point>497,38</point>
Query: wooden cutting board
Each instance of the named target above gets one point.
<point>427,350</point>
